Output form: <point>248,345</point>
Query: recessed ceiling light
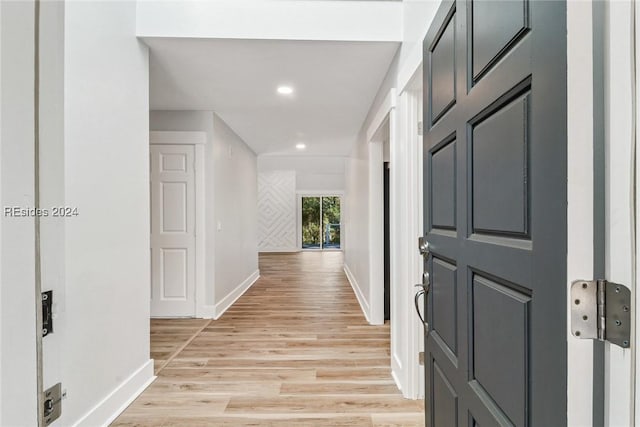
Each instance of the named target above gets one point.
<point>285,90</point>
<point>301,146</point>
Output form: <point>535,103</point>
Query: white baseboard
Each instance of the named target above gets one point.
<point>364,305</point>
<point>109,408</point>
<point>397,381</point>
<point>228,301</point>
<point>280,250</point>
<point>206,312</point>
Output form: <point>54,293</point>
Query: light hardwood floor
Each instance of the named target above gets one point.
<point>295,350</point>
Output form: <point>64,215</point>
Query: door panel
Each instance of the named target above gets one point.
<point>444,304</point>
<point>172,231</point>
<point>495,213</point>
<point>173,215</point>
<point>443,77</point>
<point>500,364</point>
<point>174,273</point>
<point>443,185</point>
<point>445,400</point>
<point>499,163</point>
<point>496,25</point>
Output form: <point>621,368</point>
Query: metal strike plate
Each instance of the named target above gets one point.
<point>584,309</point>
<point>618,315</point>
<point>421,358</point>
<point>52,404</point>
<point>47,313</point>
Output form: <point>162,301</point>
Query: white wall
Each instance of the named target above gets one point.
<point>278,20</point>
<point>231,253</point>
<point>417,17</point>
<point>236,214</point>
<point>106,355</point>
<point>404,73</point>
<point>357,211</point>
<point>283,178</point>
<point>277,214</point>
<point>17,324</point>
<point>313,174</point>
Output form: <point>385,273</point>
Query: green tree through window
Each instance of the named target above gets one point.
<point>320,232</point>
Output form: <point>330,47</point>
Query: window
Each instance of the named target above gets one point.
<point>320,222</point>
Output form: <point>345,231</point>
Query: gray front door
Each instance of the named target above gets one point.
<point>495,160</point>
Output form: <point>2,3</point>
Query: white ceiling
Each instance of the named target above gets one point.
<point>335,84</point>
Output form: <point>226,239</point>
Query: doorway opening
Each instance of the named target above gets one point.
<point>387,246</point>
<point>320,222</point>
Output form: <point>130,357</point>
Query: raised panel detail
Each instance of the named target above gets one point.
<point>444,307</point>
<point>174,162</point>
<point>443,186</point>
<point>443,76</point>
<point>497,25</point>
<point>501,346</point>
<point>174,273</point>
<point>174,207</point>
<point>500,171</point>
<point>445,400</point>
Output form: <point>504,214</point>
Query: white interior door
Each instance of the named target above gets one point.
<point>173,241</point>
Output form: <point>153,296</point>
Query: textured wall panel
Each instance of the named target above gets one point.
<point>277,210</point>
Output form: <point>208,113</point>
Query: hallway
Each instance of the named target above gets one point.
<point>294,350</point>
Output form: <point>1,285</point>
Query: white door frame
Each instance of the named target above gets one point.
<point>619,396</point>
<point>635,339</point>
<point>580,201</point>
<point>410,192</point>
<point>198,140</point>
<point>620,242</point>
<point>386,112</point>
<point>316,193</point>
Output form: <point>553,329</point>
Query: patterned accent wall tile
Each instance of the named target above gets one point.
<point>277,210</point>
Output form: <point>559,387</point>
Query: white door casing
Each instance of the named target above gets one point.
<point>619,80</point>
<point>173,243</point>
<point>636,296</point>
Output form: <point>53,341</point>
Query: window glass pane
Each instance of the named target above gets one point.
<point>311,222</point>
<point>331,222</point>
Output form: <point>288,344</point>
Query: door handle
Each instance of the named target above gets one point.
<point>416,301</point>
<point>425,251</point>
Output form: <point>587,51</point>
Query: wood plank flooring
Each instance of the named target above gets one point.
<point>295,350</point>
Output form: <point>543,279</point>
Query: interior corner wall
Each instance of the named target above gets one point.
<point>235,213</point>
<point>18,386</point>
<point>106,353</point>
<point>277,211</point>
